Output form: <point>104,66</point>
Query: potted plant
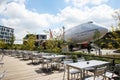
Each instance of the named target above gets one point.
<point>74,57</point>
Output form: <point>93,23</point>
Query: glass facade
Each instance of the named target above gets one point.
<point>6,33</point>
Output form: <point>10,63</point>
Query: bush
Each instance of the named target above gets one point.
<point>74,57</point>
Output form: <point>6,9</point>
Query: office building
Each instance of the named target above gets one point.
<point>6,33</point>
<point>40,38</point>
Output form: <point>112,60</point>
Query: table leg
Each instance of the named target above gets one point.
<point>83,74</point>
<point>68,76</point>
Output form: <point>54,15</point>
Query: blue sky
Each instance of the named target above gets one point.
<point>46,6</point>
<point>54,6</point>
<point>36,16</point>
<point>114,4</point>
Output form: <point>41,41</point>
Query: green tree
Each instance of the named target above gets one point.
<point>55,41</point>
<point>29,43</point>
<point>2,44</point>
<point>116,31</point>
<point>12,39</point>
<point>54,45</point>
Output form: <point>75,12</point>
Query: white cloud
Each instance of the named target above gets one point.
<point>82,3</point>
<point>2,4</point>
<point>98,2</point>
<point>2,1</point>
<point>101,14</point>
<point>24,20</point>
<point>21,19</point>
<point>67,1</point>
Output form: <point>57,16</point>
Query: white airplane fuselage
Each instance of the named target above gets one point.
<point>84,32</point>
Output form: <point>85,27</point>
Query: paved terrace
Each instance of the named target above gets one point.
<point>18,69</point>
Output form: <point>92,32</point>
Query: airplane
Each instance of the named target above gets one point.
<point>84,33</point>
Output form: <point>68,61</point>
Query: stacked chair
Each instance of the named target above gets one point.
<point>2,70</point>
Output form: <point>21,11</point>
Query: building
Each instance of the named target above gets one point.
<point>6,33</point>
<point>40,38</point>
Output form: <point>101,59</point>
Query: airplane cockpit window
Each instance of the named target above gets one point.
<point>90,22</point>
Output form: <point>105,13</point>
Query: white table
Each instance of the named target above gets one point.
<point>53,56</point>
<point>85,64</point>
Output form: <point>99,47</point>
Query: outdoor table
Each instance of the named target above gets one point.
<point>84,64</point>
<point>35,56</point>
<point>53,56</point>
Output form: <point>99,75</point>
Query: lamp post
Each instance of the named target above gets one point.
<point>63,34</point>
<point>64,46</point>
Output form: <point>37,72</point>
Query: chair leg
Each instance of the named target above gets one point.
<point>64,75</point>
<point>71,76</point>
<point>77,75</point>
<point>74,76</point>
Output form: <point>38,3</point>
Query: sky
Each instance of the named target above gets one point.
<point>37,16</point>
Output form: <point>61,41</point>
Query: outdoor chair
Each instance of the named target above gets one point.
<point>80,59</point>
<point>66,61</point>
<point>1,64</point>
<point>72,71</point>
<point>55,63</point>
<point>2,74</point>
<point>46,62</point>
<point>110,72</point>
<point>99,74</point>
<point>26,55</point>
<point>1,59</point>
<point>36,57</point>
<point>117,66</point>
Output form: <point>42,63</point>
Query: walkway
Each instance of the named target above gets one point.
<point>17,69</point>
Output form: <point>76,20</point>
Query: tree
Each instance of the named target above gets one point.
<point>55,41</point>
<point>53,45</point>
<point>12,39</point>
<point>116,16</point>
<point>29,43</point>
<point>112,39</point>
<point>2,44</point>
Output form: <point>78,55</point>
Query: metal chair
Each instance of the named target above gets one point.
<point>110,72</point>
<point>1,59</point>
<point>2,56</point>
<point>56,62</point>
<point>46,62</point>
<point>64,65</point>
<point>99,74</point>
<point>80,59</point>
<point>73,72</point>
<point>2,74</point>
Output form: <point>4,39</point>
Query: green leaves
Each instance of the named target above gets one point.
<point>29,43</point>
<point>54,45</point>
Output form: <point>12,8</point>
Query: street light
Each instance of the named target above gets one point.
<point>63,34</point>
